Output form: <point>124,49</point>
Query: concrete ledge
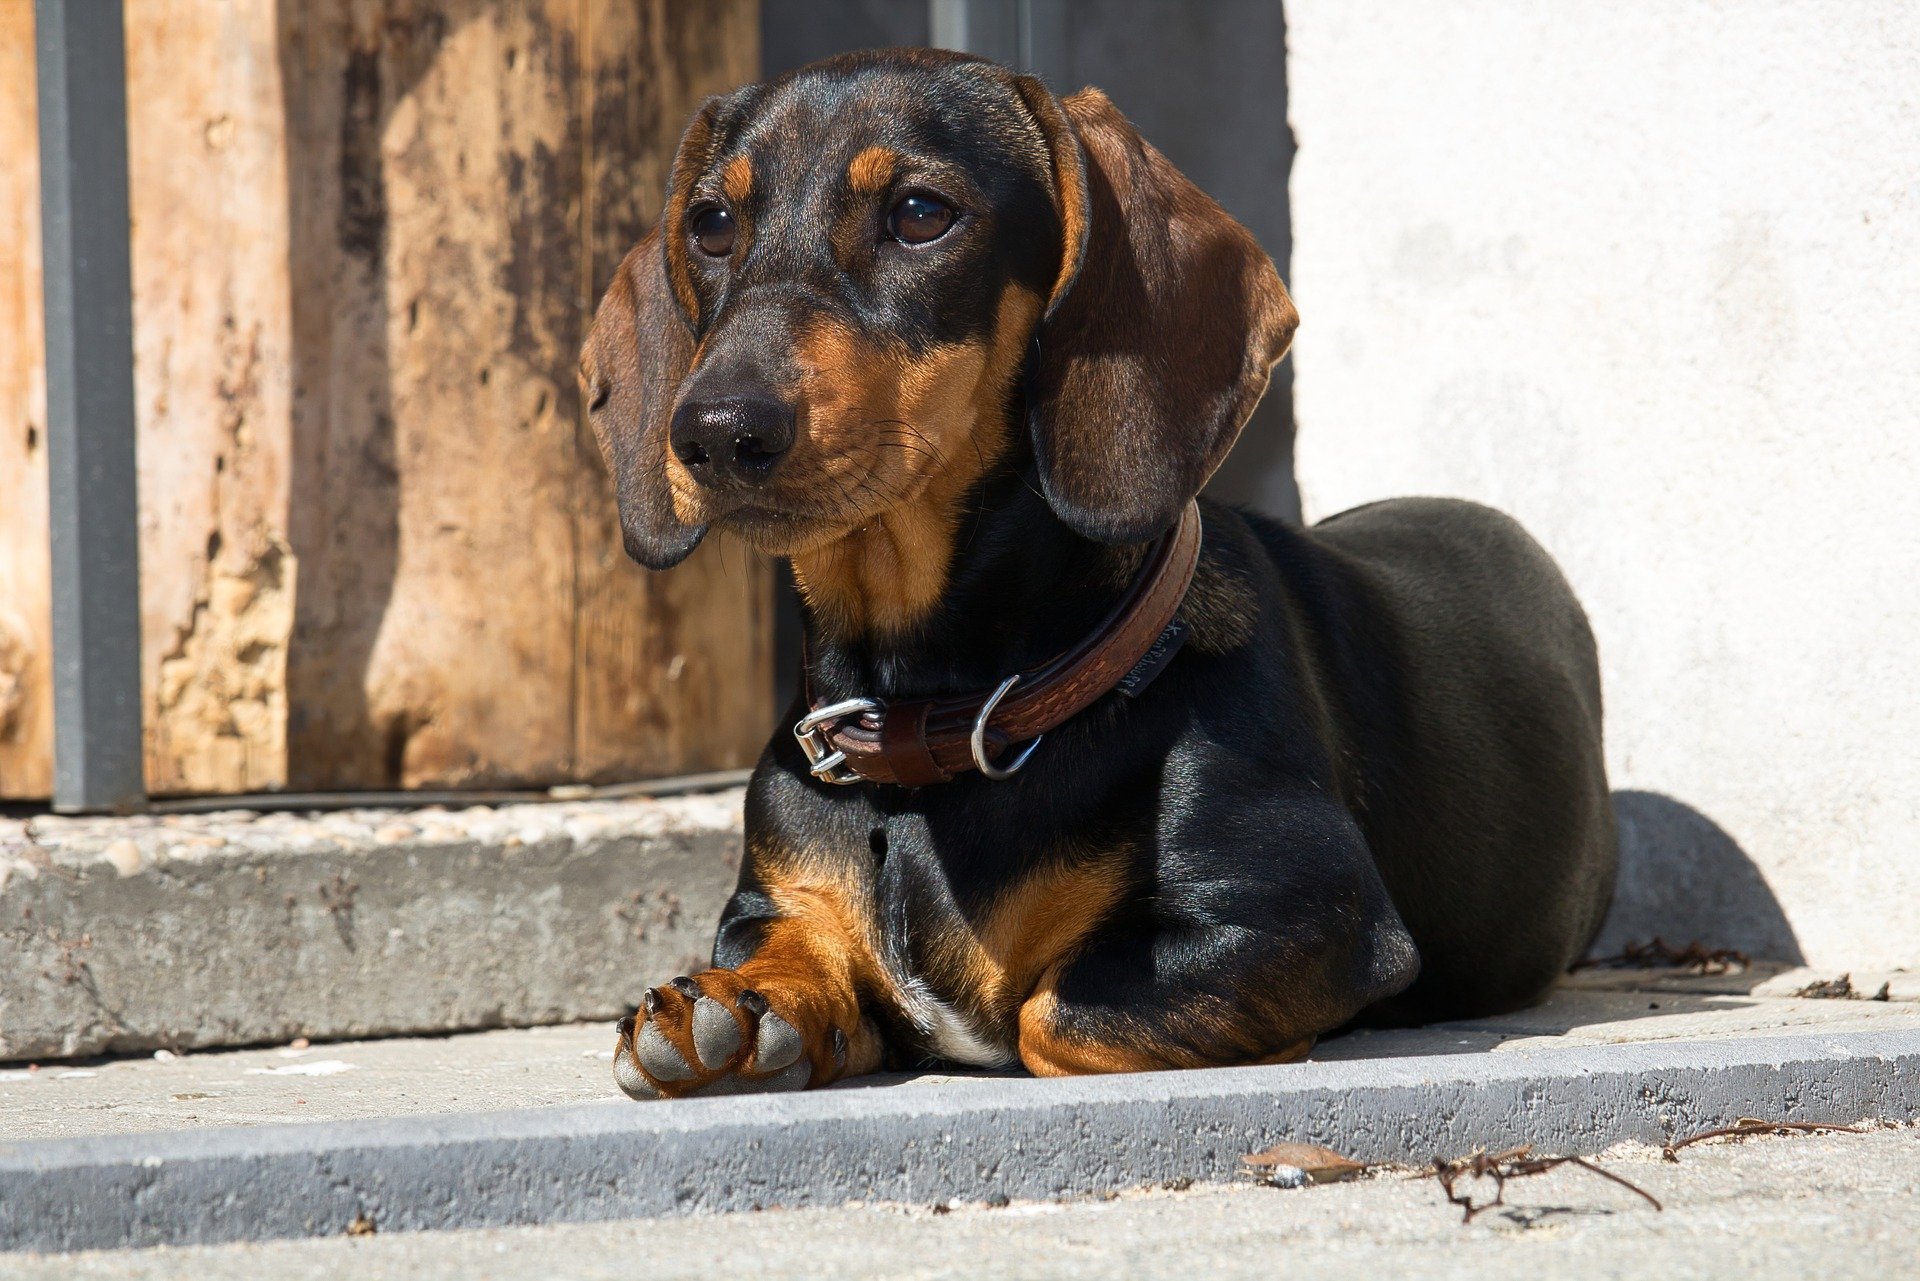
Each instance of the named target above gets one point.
<point>968,1140</point>
<point>189,931</point>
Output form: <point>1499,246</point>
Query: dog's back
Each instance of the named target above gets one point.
<point>1470,718</point>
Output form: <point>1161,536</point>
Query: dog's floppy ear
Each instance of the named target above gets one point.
<point>1163,325</point>
<point>636,355</point>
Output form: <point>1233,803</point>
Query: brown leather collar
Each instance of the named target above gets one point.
<point>914,742</point>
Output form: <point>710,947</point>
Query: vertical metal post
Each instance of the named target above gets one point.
<point>1027,35</point>
<point>81,59</point>
<point>1045,42</point>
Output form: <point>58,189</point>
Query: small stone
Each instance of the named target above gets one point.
<point>1286,1176</point>
<point>394,833</point>
<point>300,1043</point>
<point>164,1056</point>
<point>124,854</point>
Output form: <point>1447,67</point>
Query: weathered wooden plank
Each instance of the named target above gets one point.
<point>26,689</point>
<point>436,160</point>
<point>465,613</point>
<point>378,546</point>
<point>674,669</point>
<point>208,170</point>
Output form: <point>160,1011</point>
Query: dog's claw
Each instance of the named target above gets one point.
<point>651,1002</point>
<point>839,1050</point>
<point>686,987</point>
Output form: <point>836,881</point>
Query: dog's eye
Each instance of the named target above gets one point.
<point>713,232</point>
<point>918,219</point>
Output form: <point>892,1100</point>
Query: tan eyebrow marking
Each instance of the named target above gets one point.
<point>871,172</point>
<point>736,180</point>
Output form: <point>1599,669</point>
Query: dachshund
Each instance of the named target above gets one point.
<point>966,352</point>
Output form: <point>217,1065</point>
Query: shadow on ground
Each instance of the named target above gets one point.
<point>1684,879</point>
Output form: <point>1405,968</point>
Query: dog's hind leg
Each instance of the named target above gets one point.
<point>1245,953</point>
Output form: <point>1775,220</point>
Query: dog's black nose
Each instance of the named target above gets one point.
<point>734,440</point>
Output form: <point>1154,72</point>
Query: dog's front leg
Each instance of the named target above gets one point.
<point>785,1016</point>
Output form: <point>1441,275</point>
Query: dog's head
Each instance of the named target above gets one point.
<point>869,270</point>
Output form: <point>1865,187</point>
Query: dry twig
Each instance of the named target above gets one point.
<point>1747,1126</point>
<point>1514,1163</point>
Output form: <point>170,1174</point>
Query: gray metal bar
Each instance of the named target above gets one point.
<point>990,28</point>
<point>1027,35</point>
<point>81,55</point>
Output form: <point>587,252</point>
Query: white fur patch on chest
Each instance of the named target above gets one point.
<point>948,1031</point>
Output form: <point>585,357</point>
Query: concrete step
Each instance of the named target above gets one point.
<point>1833,1205</point>
<point>193,931</point>
<point>187,931</point>
<point>524,1126</point>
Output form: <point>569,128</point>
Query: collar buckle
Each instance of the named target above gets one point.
<point>825,761</point>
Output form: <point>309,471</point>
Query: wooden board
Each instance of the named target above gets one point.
<point>651,694</point>
<point>378,547</point>
<point>26,691</point>
<point>207,168</point>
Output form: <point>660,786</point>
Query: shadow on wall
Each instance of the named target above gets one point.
<point>1683,878</point>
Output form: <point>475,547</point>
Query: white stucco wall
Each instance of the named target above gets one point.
<point>1646,274</point>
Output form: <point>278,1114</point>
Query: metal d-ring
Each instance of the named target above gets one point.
<point>998,773</point>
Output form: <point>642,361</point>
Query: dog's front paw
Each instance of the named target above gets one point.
<point>712,1034</point>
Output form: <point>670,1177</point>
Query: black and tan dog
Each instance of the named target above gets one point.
<point>966,353</point>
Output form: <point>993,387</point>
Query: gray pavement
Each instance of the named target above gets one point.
<point>523,1126</point>
<point>967,1139</point>
<point>536,1067</point>
<point>1836,1206</point>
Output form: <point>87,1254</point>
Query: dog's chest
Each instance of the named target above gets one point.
<point>933,959</point>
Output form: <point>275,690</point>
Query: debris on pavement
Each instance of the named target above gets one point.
<point>1747,1126</point>
<point>1659,954</point>
<point>1295,1165</point>
<point>1842,989</point>
<point>1514,1163</point>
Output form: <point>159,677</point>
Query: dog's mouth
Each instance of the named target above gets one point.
<point>778,525</point>
<point>771,528</point>
<point>811,500</point>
